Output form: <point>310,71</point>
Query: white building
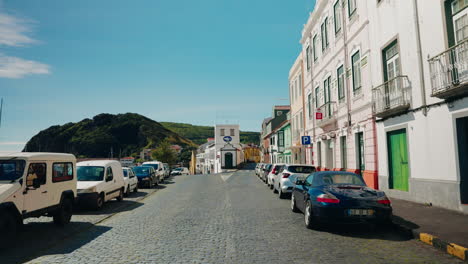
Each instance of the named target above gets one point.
<point>420,78</point>
<point>338,85</point>
<point>222,153</point>
<point>390,79</point>
<point>227,147</point>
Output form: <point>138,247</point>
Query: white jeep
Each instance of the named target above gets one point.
<point>34,185</point>
<point>100,181</point>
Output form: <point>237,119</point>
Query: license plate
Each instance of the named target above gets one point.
<point>360,212</point>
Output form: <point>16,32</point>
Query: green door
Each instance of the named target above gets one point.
<point>398,160</point>
<point>228,161</point>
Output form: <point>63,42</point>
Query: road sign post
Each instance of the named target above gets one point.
<point>305,140</point>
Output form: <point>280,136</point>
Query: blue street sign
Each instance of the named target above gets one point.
<point>227,139</point>
<point>306,140</point>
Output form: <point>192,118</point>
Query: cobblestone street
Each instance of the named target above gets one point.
<point>230,218</point>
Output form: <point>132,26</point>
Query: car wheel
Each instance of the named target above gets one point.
<point>121,194</point>
<point>136,188</point>
<point>274,189</point>
<point>308,218</point>
<point>150,184</point>
<point>99,202</point>
<point>127,193</point>
<point>281,194</point>
<point>64,213</point>
<point>272,186</point>
<point>293,205</point>
<point>8,228</point>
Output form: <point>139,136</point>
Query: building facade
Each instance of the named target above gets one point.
<point>297,114</point>
<point>338,87</point>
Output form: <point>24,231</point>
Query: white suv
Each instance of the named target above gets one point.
<point>33,185</point>
<point>158,167</point>
<point>282,184</point>
<point>100,181</point>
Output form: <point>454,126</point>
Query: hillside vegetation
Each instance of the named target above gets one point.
<point>199,134</point>
<point>122,134</point>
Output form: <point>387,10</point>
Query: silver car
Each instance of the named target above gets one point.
<point>282,184</point>
<point>277,168</point>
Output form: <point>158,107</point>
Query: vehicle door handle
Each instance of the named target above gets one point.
<point>44,192</point>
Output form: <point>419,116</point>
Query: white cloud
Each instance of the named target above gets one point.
<point>13,31</point>
<point>12,143</point>
<point>12,67</point>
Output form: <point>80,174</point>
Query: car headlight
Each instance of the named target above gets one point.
<point>90,190</point>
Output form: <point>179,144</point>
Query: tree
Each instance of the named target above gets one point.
<point>164,153</point>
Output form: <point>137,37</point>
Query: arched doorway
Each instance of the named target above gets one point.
<point>228,160</point>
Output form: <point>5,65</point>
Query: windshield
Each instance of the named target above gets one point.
<point>155,166</point>
<point>342,179</point>
<point>301,169</point>
<point>141,170</point>
<point>178,169</point>
<point>11,170</point>
<point>90,173</point>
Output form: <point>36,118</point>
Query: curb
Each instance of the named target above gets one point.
<point>450,248</point>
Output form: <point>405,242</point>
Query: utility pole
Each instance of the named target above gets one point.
<point>1,108</point>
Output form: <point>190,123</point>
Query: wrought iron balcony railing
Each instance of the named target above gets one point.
<point>392,97</point>
<point>449,72</point>
<point>328,110</point>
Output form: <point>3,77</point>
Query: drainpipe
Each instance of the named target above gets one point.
<point>420,59</point>
<point>346,65</point>
<point>313,94</point>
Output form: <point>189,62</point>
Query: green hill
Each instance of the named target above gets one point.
<point>123,134</point>
<point>199,134</point>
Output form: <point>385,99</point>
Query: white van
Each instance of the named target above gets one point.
<point>99,181</point>
<point>34,185</point>
<point>158,167</point>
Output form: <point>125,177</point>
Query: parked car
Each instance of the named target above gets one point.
<point>257,168</point>
<point>167,170</point>
<point>274,171</point>
<point>266,170</point>
<point>343,197</point>
<point>158,168</point>
<point>146,176</point>
<point>34,185</point>
<point>282,182</point>
<point>180,171</point>
<point>131,181</point>
<point>99,181</point>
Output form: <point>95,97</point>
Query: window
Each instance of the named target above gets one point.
<point>458,5</point>
<point>309,105</point>
<point>308,181</point>
<point>295,88</point>
<point>301,125</point>
<point>281,138</point>
<point>326,90</point>
<point>109,174</point>
<point>308,57</point>
<point>62,171</point>
<point>319,154</point>
<point>300,85</point>
<point>291,91</point>
<point>337,16</point>
<point>340,82</point>
<point>317,89</point>
<point>344,160</point>
<point>324,34</point>
<point>314,47</point>
<point>222,132</point>
<point>461,28</point>
<point>351,7</point>
<point>36,171</point>
<point>360,151</point>
<point>232,132</point>
<point>356,68</point>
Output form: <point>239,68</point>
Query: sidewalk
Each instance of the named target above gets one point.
<point>435,226</point>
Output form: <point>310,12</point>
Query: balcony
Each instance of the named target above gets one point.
<point>449,72</point>
<point>392,97</point>
<point>329,111</point>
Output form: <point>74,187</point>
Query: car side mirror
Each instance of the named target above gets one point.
<point>109,178</point>
<point>299,182</point>
<point>36,184</point>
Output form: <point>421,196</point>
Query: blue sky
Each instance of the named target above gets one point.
<point>197,62</point>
